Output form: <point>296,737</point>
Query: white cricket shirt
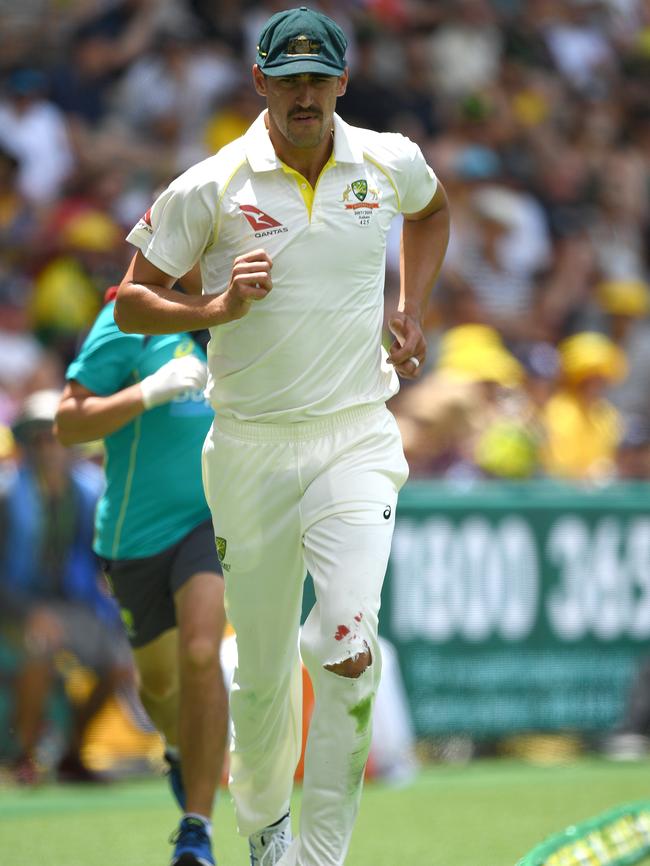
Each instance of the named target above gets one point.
<point>313,345</point>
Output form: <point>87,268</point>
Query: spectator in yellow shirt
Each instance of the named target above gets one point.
<point>582,427</point>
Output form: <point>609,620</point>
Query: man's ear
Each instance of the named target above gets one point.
<point>343,82</point>
<point>259,80</point>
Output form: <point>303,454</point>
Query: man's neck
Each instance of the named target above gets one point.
<point>309,162</point>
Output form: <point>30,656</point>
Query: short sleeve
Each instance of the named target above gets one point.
<point>418,182</point>
<point>178,227</point>
<point>107,357</point>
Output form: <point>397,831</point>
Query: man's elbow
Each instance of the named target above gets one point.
<point>62,433</point>
<point>123,312</point>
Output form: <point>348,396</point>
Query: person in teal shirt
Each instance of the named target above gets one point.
<point>163,443</point>
<point>144,397</point>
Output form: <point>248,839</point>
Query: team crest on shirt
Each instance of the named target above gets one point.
<point>367,200</point>
<point>360,188</point>
<point>185,347</point>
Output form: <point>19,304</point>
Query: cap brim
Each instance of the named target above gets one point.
<point>298,67</point>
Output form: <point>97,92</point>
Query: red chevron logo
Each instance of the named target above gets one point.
<point>257,218</point>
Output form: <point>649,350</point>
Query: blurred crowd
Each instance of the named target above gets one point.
<point>534,114</point>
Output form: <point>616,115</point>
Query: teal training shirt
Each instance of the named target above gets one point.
<point>154,492</point>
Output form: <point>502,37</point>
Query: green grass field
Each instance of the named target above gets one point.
<point>489,813</point>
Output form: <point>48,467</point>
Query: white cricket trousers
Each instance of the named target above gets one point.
<point>317,496</point>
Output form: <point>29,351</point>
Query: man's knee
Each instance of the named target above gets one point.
<point>199,654</point>
<point>353,666</point>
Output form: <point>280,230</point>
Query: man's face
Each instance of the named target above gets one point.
<point>301,106</point>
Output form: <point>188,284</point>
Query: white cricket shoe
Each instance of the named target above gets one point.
<point>268,845</point>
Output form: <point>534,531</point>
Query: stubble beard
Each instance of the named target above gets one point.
<point>306,138</point>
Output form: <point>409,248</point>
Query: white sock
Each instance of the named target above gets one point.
<point>206,821</point>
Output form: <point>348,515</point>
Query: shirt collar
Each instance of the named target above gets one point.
<point>261,156</point>
<point>347,145</point>
<point>258,148</point>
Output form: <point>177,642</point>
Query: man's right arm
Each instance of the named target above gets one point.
<point>84,416</point>
<point>148,303</point>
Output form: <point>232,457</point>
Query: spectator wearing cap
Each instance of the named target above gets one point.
<point>470,416</point>
<point>50,591</point>
<point>583,428</point>
<point>511,446</point>
<point>66,293</point>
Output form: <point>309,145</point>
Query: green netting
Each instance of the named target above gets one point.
<point>620,837</point>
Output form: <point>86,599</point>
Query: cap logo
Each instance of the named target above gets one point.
<point>303,45</point>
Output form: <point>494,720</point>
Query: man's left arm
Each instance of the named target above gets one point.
<point>425,236</point>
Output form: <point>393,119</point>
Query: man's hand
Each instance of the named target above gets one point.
<point>409,349</point>
<point>173,378</point>
<point>250,281</point>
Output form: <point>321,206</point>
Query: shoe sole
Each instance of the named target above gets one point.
<point>191,860</point>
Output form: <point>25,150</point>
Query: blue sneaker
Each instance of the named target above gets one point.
<point>175,779</point>
<point>192,844</point>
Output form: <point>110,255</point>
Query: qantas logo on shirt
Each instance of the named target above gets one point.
<point>262,224</point>
<point>145,222</point>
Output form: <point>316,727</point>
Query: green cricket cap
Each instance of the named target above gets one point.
<point>301,40</point>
